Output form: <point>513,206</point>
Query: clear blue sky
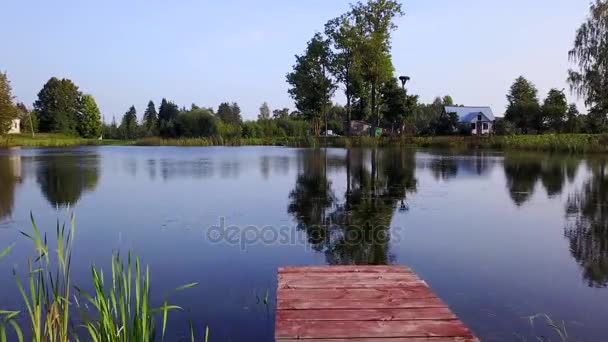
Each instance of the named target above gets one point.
<point>207,51</point>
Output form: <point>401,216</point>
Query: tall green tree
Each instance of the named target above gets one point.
<point>280,113</point>
<point>554,110</point>
<point>345,62</point>
<point>573,122</point>
<point>236,118</point>
<point>590,54</point>
<point>58,105</point>
<point>229,113</point>
<point>167,114</point>
<point>311,84</point>
<point>89,118</point>
<point>523,108</point>
<point>375,23</point>
<point>150,120</point>
<point>397,106</point>
<point>8,111</point>
<point>128,125</point>
<point>264,112</point>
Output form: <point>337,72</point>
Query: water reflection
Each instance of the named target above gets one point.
<point>524,171</point>
<point>176,169</point>
<point>64,178</point>
<point>587,229</point>
<point>447,166</point>
<point>352,228</point>
<point>10,176</point>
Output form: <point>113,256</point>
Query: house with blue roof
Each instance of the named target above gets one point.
<point>479,119</point>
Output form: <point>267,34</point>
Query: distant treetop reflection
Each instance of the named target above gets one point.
<point>64,178</point>
<point>587,228</point>
<point>353,228</point>
<point>524,171</point>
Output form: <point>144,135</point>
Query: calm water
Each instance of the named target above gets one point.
<point>498,237</point>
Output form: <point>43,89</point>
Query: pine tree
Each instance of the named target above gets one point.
<point>150,120</point>
<point>129,124</point>
<point>167,114</point>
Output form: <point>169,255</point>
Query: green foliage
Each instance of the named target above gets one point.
<point>345,60</point>
<point>122,308</point>
<point>574,121</point>
<point>554,110</point>
<point>396,105</point>
<point>128,126</point>
<point>427,116</point>
<point>503,127</point>
<point>311,85</point>
<point>280,113</point>
<point>89,118</point>
<point>8,111</point>
<point>119,310</point>
<point>229,131</point>
<point>150,120</point>
<point>167,114</point>
<point>446,124</point>
<point>229,113</point>
<point>198,122</point>
<point>264,112</point>
<point>590,54</point>
<point>374,24</point>
<point>523,108</point>
<point>29,119</point>
<point>58,106</point>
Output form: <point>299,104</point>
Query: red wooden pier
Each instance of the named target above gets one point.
<point>362,303</point>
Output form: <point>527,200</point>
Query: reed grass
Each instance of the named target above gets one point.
<point>570,143</point>
<point>118,310</point>
<point>559,328</point>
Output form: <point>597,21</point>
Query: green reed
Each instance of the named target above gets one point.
<point>119,309</point>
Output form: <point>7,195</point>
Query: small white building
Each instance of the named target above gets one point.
<point>15,127</point>
<point>479,119</point>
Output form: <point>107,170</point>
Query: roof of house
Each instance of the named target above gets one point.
<point>469,114</point>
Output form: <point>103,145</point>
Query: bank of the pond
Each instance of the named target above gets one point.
<point>54,140</point>
<point>571,143</point>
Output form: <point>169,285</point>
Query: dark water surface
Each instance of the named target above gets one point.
<point>498,236</point>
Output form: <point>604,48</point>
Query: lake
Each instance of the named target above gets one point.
<point>498,236</point>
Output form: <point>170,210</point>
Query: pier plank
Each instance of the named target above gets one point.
<point>364,304</point>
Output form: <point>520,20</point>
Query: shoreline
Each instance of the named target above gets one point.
<point>570,143</point>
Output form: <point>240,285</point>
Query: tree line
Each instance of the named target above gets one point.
<point>353,54</point>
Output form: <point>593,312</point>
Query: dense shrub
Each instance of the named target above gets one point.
<point>196,123</point>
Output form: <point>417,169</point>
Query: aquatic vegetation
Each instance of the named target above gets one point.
<point>117,311</point>
<point>558,328</point>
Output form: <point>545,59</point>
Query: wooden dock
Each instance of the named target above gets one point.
<point>362,303</point>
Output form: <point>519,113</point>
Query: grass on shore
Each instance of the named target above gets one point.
<point>54,140</point>
<point>571,143</point>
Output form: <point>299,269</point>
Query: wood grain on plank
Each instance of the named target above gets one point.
<point>338,304</point>
<point>346,269</point>
<point>356,294</point>
<point>345,276</point>
<point>399,339</point>
<point>341,284</point>
<point>370,329</point>
<point>441,313</point>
